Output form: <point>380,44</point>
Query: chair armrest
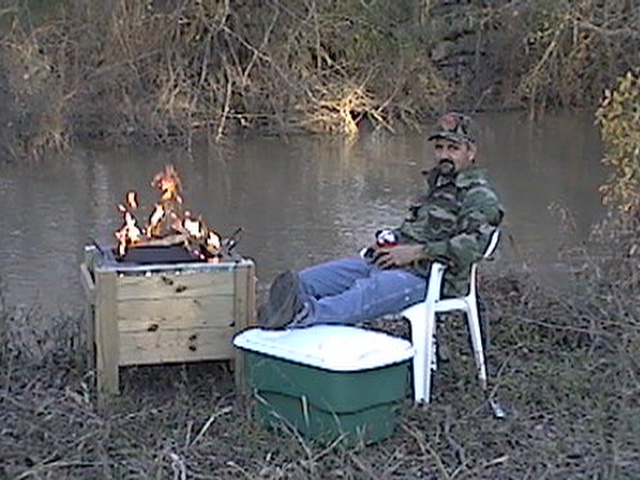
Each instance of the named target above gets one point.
<point>434,285</point>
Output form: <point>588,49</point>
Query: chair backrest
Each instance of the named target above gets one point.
<point>434,289</point>
<point>493,243</point>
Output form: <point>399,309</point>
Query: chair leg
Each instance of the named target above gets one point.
<point>419,341</point>
<point>423,339</point>
<point>430,352</point>
<point>483,313</point>
<point>423,329</point>
<point>476,340</point>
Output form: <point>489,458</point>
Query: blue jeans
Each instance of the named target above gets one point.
<point>349,290</point>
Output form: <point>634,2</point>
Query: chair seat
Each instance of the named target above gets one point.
<point>451,304</point>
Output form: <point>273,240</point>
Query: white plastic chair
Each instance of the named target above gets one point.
<point>422,317</point>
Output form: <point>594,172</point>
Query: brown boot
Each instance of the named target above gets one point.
<point>284,302</point>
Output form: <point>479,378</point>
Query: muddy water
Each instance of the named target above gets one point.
<point>299,200</point>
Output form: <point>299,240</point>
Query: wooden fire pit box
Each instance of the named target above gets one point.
<point>164,313</point>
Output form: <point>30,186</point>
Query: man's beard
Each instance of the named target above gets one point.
<point>446,166</point>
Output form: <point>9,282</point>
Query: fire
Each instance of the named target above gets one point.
<point>129,234</point>
<point>168,224</point>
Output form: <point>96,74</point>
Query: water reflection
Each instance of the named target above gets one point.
<point>544,171</point>
<point>299,200</point>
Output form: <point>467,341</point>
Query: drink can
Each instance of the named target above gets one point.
<point>386,238</point>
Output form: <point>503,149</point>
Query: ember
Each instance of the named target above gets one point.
<point>168,227</point>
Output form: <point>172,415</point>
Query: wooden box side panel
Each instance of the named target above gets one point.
<point>245,315</point>
<point>245,298</point>
<point>175,285</point>
<point>171,346</point>
<point>177,313</point>
<point>185,317</point>
<point>175,330</point>
<point>105,330</point>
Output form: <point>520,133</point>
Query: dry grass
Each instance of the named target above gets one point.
<point>168,71</point>
<point>165,72</point>
<point>566,52</point>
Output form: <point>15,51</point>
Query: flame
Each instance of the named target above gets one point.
<point>154,220</point>
<point>193,227</point>
<point>132,199</point>
<point>130,233</point>
<point>167,219</point>
<point>213,241</point>
<point>169,184</point>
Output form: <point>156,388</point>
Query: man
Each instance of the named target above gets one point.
<point>451,221</point>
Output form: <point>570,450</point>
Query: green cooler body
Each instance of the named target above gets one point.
<point>328,381</point>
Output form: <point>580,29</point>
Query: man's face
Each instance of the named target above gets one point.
<point>462,154</point>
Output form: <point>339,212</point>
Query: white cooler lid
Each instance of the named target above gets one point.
<point>331,347</point>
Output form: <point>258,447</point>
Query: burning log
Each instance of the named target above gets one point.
<point>169,224</point>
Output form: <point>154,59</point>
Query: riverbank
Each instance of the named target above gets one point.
<point>563,363</point>
<point>164,71</point>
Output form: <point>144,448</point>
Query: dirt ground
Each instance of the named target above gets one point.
<point>572,396</point>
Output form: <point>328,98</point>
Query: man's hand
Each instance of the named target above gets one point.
<point>398,256</point>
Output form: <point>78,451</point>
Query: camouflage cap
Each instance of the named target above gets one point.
<point>455,127</point>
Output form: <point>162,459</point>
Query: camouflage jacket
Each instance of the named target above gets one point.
<point>454,219</point>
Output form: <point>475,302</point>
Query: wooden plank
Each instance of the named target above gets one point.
<point>251,296</point>
<point>91,336</point>
<point>189,267</point>
<point>107,351</point>
<point>245,316</point>
<point>240,317</point>
<point>240,297</point>
<point>174,285</point>
<point>170,346</point>
<point>176,313</point>
<point>88,285</point>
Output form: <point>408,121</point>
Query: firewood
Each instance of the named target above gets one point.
<point>167,241</point>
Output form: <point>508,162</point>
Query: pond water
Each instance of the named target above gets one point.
<point>299,200</point>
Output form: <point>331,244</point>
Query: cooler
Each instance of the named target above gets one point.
<point>327,380</point>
